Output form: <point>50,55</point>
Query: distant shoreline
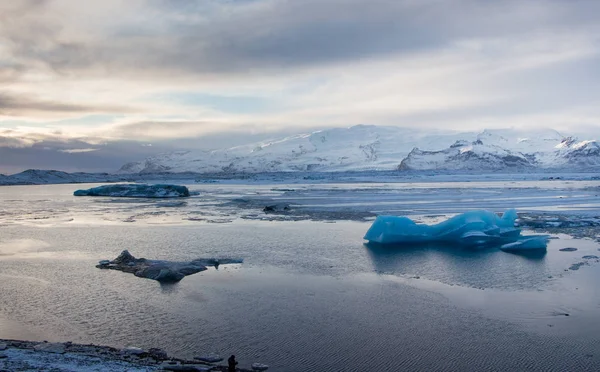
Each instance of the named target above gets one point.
<point>52,177</point>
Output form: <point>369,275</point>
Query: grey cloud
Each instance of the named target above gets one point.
<point>205,37</point>
<point>19,105</point>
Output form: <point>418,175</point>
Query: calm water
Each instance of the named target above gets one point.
<point>309,296</point>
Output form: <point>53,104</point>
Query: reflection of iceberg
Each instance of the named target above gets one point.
<point>474,228</point>
<point>136,191</point>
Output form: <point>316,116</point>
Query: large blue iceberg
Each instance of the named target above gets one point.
<point>136,191</point>
<point>471,229</point>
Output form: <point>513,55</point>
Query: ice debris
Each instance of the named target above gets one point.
<point>471,229</point>
<point>133,190</point>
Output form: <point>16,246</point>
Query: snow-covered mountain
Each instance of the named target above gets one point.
<point>509,150</point>
<point>369,147</point>
<point>361,147</point>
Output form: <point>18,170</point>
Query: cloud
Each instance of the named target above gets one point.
<point>20,105</point>
<point>186,73</point>
<point>77,151</point>
<point>182,39</point>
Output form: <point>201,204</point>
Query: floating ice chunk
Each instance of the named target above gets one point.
<point>527,244</point>
<point>136,191</point>
<point>474,228</point>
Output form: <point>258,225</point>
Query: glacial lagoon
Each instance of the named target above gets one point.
<point>310,295</point>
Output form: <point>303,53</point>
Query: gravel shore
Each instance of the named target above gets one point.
<point>19,355</point>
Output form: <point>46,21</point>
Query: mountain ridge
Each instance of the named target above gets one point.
<point>370,147</point>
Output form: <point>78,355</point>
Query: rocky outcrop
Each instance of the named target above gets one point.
<point>162,271</point>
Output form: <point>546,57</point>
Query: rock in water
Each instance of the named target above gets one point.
<point>136,191</point>
<point>568,249</point>
<point>162,271</point>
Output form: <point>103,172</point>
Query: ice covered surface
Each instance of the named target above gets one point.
<point>473,228</point>
<point>136,191</point>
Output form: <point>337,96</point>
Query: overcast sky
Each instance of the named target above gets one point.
<point>89,85</point>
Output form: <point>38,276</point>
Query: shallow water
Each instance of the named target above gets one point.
<point>309,296</point>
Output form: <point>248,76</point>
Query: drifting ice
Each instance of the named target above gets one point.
<point>474,228</point>
<point>136,191</point>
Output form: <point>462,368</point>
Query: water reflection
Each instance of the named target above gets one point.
<point>484,267</point>
<point>169,288</point>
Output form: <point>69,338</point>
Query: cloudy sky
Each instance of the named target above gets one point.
<point>89,85</point>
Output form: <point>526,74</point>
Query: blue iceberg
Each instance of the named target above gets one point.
<point>471,229</point>
<point>136,191</point>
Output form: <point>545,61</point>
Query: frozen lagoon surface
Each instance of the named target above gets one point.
<point>310,295</point>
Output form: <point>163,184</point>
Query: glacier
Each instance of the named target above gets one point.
<point>471,229</point>
<point>136,191</point>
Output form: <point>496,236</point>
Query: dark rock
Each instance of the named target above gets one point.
<point>568,249</point>
<point>123,258</point>
<point>162,271</point>
<point>590,257</point>
<point>2,356</point>
<point>3,346</point>
<point>276,208</point>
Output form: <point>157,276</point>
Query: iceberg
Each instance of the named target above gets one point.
<point>136,191</point>
<point>527,243</point>
<point>470,229</point>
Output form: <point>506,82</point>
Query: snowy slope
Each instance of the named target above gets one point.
<point>369,147</point>
<point>361,147</point>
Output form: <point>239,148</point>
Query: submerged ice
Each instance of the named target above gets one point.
<point>136,191</point>
<point>473,228</point>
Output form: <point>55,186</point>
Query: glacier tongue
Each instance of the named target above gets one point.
<point>470,229</point>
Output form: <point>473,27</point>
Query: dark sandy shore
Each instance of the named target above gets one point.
<point>19,355</point>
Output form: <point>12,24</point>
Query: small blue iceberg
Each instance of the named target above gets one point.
<point>471,229</point>
<point>136,191</point>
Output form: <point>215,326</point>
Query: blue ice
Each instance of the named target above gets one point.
<point>136,191</point>
<point>473,228</point>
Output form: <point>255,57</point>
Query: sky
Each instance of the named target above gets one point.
<point>88,86</point>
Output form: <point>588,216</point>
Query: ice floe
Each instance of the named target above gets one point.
<point>136,191</point>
